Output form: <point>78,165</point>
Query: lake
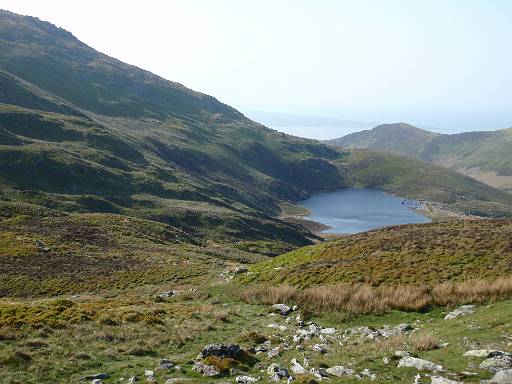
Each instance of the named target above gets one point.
<point>359,210</point>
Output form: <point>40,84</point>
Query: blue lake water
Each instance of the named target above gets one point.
<point>359,210</point>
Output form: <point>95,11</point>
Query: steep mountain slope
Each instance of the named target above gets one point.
<point>485,156</point>
<point>81,132</point>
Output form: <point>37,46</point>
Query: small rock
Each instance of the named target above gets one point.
<point>297,368</point>
<point>283,309</point>
<point>497,363</point>
<point>167,294</point>
<point>206,370</point>
<point>461,311</point>
<point>503,376</point>
<point>282,328</point>
<point>150,375</point>
<point>240,270</point>
<point>274,352</point>
<point>96,381</point>
<point>402,353</point>
<point>366,372</point>
<point>220,350</point>
<point>276,372</point>
<point>402,328</point>
<point>340,371</point>
<point>133,379</point>
<point>385,360</point>
<point>328,331</point>
<point>442,380</point>
<point>164,364</point>
<point>320,348</point>
<point>245,379</point>
<point>422,365</point>
<point>96,376</point>
<point>483,353</point>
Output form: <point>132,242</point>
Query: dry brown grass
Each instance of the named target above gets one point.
<point>424,342</point>
<point>365,299</point>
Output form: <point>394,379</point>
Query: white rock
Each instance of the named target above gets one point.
<point>282,328</point>
<point>297,368</point>
<point>328,331</point>
<point>340,371</point>
<point>273,353</point>
<point>497,363</point>
<point>503,376</point>
<point>461,311</point>
<point>483,353</point>
<point>422,365</point>
<point>245,379</point>
<point>442,380</point>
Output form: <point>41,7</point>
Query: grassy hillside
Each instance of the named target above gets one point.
<point>485,156</point>
<point>410,254</point>
<point>400,138</point>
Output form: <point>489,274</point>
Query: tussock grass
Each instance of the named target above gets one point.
<point>365,299</point>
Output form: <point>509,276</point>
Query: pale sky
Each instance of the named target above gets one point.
<point>443,64</point>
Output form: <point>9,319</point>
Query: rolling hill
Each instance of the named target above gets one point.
<point>485,156</point>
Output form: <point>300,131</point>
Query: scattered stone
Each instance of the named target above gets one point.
<point>484,353</point>
<point>133,379</point>
<point>96,376</point>
<point>220,350</point>
<point>367,373</point>
<point>276,372</point>
<point>417,379</point>
<point>503,376</point>
<point>240,270</point>
<point>206,370</point>
<point>150,375</point>
<point>283,309</point>
<point>385,360</point>
<point>422,365</point>
<point>168,294</point>
<point>245,379</point>
<point>402,328</point>
<point>442,380</point>
<point>297,368</point>
<point>282,328</point>
<point>319,373</point>
<point>461,311</point>
<point>274,352</point>
<point>497,363</point>
<point>339,371</point>
<point>328,331</point>
<point>164,364</point>
<point>320,348</point>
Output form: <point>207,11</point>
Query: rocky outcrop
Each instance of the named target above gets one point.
<point>461,311</point>
<point>420,364</point>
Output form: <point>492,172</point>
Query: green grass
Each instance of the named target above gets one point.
<point>411,254</point>
<point>125,333</point>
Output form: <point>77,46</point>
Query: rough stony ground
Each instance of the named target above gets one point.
<point>161,334</point>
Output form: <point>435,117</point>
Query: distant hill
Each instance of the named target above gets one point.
<point>485,156</point>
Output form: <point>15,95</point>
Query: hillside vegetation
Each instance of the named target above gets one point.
<point>485,156</point>
<point>422,255</point>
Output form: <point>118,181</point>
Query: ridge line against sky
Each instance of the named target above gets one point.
<point>442,64</point>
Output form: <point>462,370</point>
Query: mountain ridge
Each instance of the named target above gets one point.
<point>483,155</point>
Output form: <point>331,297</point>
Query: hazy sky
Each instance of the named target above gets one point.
<point>444,64</point>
